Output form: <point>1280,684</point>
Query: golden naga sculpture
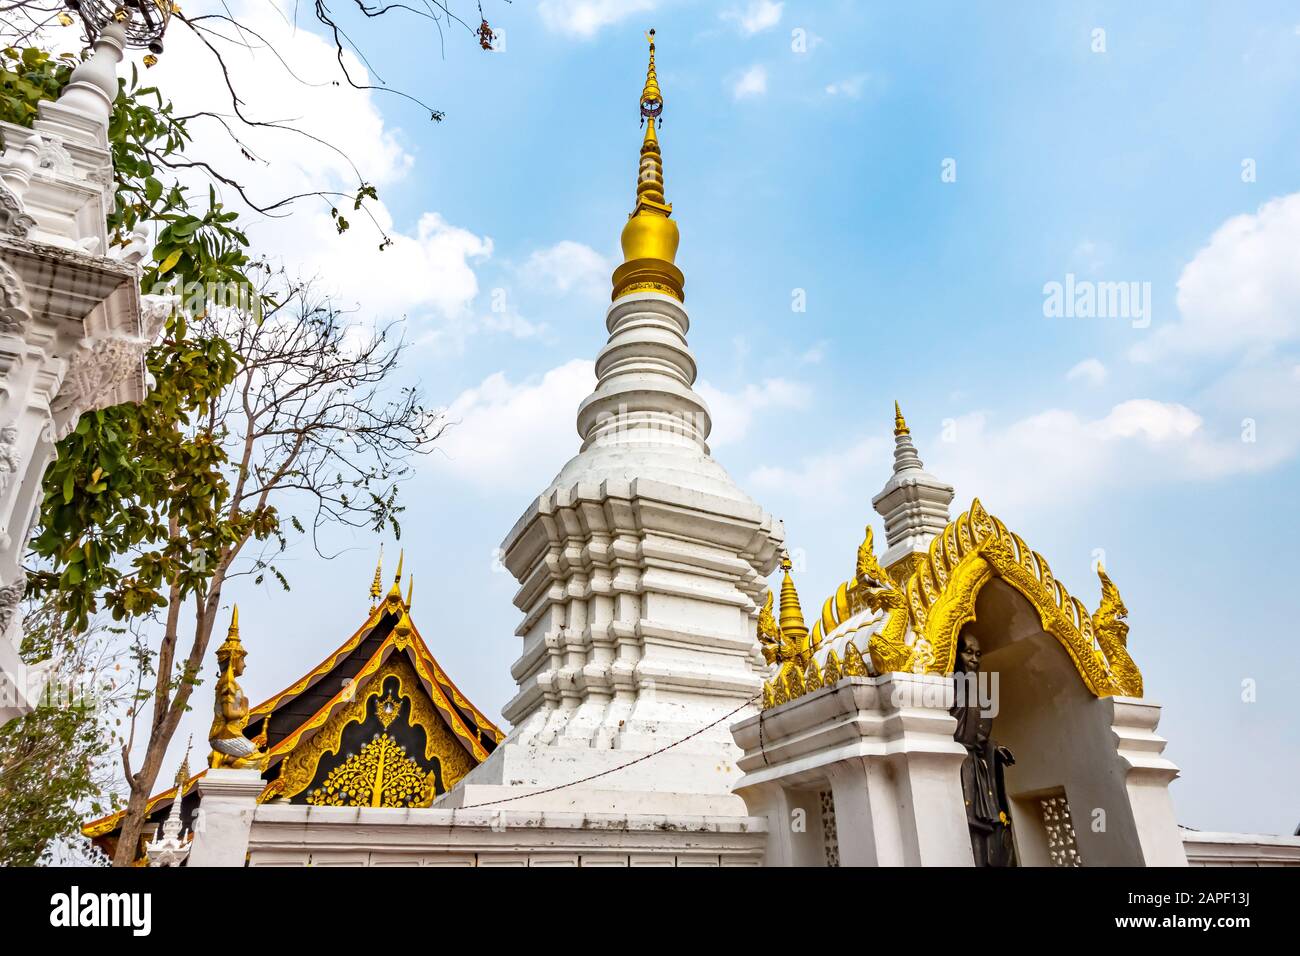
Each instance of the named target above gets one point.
<point>230,748</point>
<point>776,647</point>
<point>923,615</point>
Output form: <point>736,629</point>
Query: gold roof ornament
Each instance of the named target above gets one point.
<point>395,592</point>
<point>376,586</point>
<point>230,747</point>
<point>231,647</point>
<point>792,622</point>
<point>650,237</point>
<point>183,774</point>
<point>900,424</point>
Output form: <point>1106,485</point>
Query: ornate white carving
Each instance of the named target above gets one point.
<point>14,219</point>
<point>9,459</point>
<point>1062,848</point>
<point>13,301</point>
<point>10,596</point>
<point>137,246</point>
<point>93,375</point>
<point>54,157</point>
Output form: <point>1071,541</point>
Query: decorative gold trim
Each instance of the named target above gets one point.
<point>941,598</point>
<point>107,824</point>
<point>938,598</point>
<point>299,767</point>
<point>324,667</point>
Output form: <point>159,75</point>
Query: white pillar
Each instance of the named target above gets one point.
<point>227,803</point>
<point>884,747</point>
<point>1147,781</point>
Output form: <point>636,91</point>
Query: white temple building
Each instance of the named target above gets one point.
<point>670,713</point>
<point>72,333</point>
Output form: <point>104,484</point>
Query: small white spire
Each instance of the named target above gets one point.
<point>914,503</point>
<point>170,846</point>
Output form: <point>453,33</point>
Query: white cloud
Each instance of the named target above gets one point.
<point>1090,371</point>
<point>508,437</point>
<point>852,472</point>
<point>1241,292</point>
<point>814,354</point>
<point>566,266</point>
<point>757,16</point>
<point>1089,256</point>
<point>753,82</point>
<point>586,18</point>
<point>1056,456</point>
<point>733,412</point>
<point>851,87</point>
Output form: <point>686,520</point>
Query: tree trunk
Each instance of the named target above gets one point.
<point>133,821</point>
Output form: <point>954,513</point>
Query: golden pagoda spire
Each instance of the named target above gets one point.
<point>376,586</point>
<point>183,774</point>
<point>900,424</point>
<point>793,627</point>
<point>650,237</point>
<point>410,591</point>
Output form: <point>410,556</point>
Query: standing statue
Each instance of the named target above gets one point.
<point>230,748</point>
<point>988,812</point>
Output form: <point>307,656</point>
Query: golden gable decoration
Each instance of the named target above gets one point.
<point>938,598</point>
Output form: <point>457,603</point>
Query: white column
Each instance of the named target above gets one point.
<point>885,747</point>
<point>227,803</point>
<point>1147,781</point>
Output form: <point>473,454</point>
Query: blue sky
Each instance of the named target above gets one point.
<point>805,146</point>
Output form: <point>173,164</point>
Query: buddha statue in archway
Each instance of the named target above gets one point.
<point>988,812</point>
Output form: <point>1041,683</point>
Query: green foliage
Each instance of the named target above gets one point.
<point>28,76</point>
<point>52,760</point>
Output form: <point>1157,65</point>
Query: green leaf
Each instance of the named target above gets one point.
<point>170,262</point>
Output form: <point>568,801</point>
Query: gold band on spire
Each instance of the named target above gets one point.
<point>900,425</point>
<point>650,237</point>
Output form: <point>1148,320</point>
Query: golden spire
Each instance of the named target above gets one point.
<point>395,592</point>
<point>900,425</point>
<point>410,591</point>
<point>376,587</point>
<point>231,644</point>
<point>650,237</point>
<point>792,625</point>
<point>183,774</point>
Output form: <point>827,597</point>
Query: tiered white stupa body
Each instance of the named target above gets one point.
<point>641,568</point>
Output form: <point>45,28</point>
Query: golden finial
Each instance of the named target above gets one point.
<point>792,624</point>
<point>395,592</point>
<point>650,237</point>
<point>410,591</point>
<point>900,424</point>
<point>376,586</point>
<point>231,644</point>
<point>183,774</point>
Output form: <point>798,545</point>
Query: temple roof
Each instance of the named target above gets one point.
<point>387,645</point>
